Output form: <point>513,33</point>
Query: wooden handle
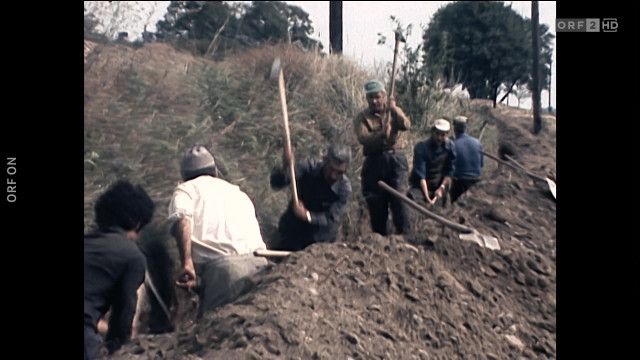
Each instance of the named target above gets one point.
<point>413,204</point>
<point>287,137</point>
<point>271,253</point>
<point>393,79</point>
<point>525,169</point>
<point>522,169</point>
<point>393,69</point>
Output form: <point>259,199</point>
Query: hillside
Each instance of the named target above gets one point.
<point>426,296</point>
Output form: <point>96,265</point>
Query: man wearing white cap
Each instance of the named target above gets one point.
<point>433,164</point>
<point>469,160</point>
<point>218,222</point>
<point>383,142</point>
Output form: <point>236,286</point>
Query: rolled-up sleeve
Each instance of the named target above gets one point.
<point>181,206</point>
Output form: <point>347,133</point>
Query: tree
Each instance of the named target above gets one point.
<point>335,26</point>
<point>481,44</point>
<point>193,20</point>
<point>535,41</point>
<point>238,24</point>
<point>113,17</point>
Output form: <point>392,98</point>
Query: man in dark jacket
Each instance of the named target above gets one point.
<point>323,191</point>
<point>114,267</point>
<point>469,160</point>
<point>381,131</point>
<point>433,164</point>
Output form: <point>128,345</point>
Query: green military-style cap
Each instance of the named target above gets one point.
<point>373,86</point>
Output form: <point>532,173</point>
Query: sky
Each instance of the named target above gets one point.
<point>362,21</point>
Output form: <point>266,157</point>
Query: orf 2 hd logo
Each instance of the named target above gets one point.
<point>587,25</point>
<point>609,25</point>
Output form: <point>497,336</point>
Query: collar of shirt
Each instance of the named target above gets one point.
<point>375,114</point>
<point>444,146</point>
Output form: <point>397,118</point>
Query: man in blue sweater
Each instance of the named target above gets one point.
<point>469,160</point>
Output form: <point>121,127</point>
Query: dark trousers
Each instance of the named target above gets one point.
<point>392,168</point>
<point>92,342</point>
<point>460,186</point>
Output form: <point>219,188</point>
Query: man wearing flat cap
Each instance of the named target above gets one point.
<point>469,160</point>
<point>380,130</point>
<point>433,164</point>
<point>216,231</point>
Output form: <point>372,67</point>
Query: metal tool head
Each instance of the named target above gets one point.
<point>275,69</point>
<point>552,187</point>
<point>490,242</point>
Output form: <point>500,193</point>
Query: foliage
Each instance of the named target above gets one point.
<point>202,23</point>
<point>483,45</point>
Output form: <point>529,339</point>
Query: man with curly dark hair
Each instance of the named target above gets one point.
<point>114,266</point>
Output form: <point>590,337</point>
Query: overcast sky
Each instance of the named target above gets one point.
<point>363,20</point>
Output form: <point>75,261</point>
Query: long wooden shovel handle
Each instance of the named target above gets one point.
<point>514,166</point>
<point>287,138</point>
<point>421,209</point>
<point>525,169</point>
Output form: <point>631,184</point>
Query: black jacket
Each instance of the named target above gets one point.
<point>325,202</point>
<point>114,268</point>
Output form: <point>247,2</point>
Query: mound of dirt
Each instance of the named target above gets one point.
<point>386,298</point>
<point>428,295</point>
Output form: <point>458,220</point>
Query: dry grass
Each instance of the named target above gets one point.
<point>145,106</point>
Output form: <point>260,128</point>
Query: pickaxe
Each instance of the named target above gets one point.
<point>276,74</point>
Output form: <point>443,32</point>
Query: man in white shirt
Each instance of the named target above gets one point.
<point>216,231</point>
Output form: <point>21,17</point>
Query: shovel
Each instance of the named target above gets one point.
<point>550,183</point>
<point>517,166</point>
<point>259,252</point>
<point>154,290</point>
<point>467,233</point>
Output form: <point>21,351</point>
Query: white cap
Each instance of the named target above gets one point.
<point>442,125</point>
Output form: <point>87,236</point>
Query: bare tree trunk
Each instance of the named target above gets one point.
<point>550,73</point>
<point>214,44</point>
<point>335,26</point>
<point>537,121</point>
<point>494,96</point>
<point>507,94</point>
